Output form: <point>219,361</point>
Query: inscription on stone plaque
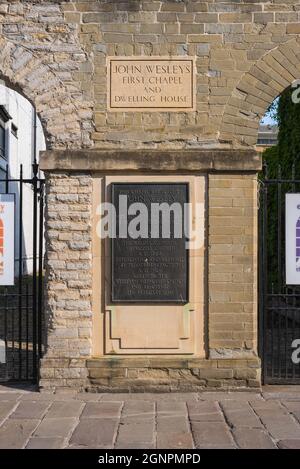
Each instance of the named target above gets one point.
<point>152,269</point>
<point>151,84</point>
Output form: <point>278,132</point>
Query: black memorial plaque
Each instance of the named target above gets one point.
<point>149,269</point>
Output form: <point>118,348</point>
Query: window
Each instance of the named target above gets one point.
<point>266,141</point>
<point>4,118</point>
<point>2,141</point>
<point>2,181</point>
<point>14,130</point>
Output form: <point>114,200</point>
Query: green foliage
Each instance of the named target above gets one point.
<point>280,160</point>
<point>271,156</point>
<point>288,148</point>
<point>287,152</point>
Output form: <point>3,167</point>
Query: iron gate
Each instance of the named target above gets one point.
<point>279,303</point>
<point>21,311</point>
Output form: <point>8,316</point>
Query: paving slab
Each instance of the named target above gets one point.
<point>88,396</point>
<point>70,408</point>
<point>183,420</point>
<point>134,445</point>
<point>6,408</point>
<point>39,396</point>
<point>263,404</point>
<point>135,433</point>
<point>240,416</point>
<point>152,397</point>
<point>234,395</point>
<point>66,393</point>
<point>169,407</point>
<point>138,410</point>
<point>15,433</point>
<point>87,447</point>
<point>46,443</point>
<point>212,435</point>
<point>10,396</point>
<point>102,410</point>
<point>205,412</point>
<point>281,427</point>
<point>252,438</point>
<point>95,433</point>
<point>30,410</point>
<point>273,406</point>
<point>55,427</point>
<point>273,388</point>
<point>293,408</point>
<point>289,444</point>
<point>174,440</point>
<point>172,424</point>
<point>17,388</point>
<point>281,395</point>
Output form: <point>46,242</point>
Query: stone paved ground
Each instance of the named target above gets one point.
<point>270,419</point>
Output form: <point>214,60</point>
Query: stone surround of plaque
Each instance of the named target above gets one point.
<point>147,93</point>
<point>151,84</point>
<point>150,269</point>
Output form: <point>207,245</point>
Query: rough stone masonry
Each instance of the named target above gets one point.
<point>55,53</point>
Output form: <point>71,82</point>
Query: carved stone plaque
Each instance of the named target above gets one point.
<point>151,84</point>
<point>150,269</point>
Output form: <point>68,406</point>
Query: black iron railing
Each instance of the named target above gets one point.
<point>21,305</point>
<point>279,310</point>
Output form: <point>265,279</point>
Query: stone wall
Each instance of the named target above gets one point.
<point>68,240</point>
<point>230,322</point>
<point>155,374</point>
<point>232,271</point>
<point>55,52</point>
<point>69,277</point>
<point>41,56</point>
<point>246,55</point>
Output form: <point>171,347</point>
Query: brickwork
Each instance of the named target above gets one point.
<point>41,56</point>
<point>69,276</point>
<point>172,374</point>
<point>246,55</point>
<point>232,301</point>
<point>55,53</point>
<point>232,265</point>
<point>158,374</point>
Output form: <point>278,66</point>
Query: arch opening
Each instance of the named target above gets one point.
<point>21,230</point>
<point>64,113</point>
<point>276,71</point>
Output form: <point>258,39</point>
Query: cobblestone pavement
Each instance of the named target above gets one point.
<point>270,419</point>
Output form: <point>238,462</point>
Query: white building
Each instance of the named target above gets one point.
<point>267,136</point>
<point>21,139</point>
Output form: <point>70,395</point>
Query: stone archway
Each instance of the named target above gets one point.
<point>63,111</point>
<point>257,89</point>
<point>66,117</point>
